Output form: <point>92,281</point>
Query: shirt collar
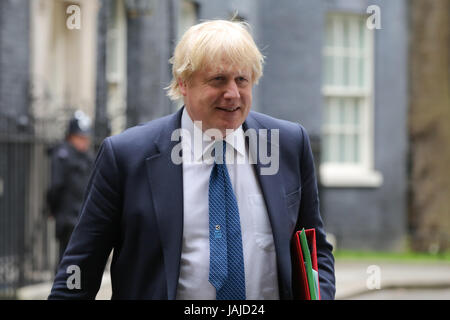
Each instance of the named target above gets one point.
<point>235,139</point>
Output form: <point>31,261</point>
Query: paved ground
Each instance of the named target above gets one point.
<point>358,280</point>
<point>354,280</point>
<point>405,294</point>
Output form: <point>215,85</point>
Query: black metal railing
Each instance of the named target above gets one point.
<point>28,247</point>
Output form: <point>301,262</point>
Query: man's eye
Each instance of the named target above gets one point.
<point>242,80</point>
<point>219,78</point>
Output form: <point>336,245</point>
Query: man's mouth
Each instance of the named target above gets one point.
<point>228,109</point>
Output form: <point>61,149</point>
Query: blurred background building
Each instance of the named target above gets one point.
<point>375,102</point>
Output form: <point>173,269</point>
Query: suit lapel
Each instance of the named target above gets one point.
<point>272,187</point>
<point>166,184</point>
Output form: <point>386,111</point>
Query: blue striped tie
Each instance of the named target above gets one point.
<point>226,269</point>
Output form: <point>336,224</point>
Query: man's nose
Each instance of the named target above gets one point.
<point>232,91</point>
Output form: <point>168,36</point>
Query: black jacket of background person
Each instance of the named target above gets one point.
<point>70,170</point>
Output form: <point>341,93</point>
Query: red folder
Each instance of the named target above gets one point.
<point>299,278</point>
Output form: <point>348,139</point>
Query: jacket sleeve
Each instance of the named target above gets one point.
<point>309,217</point>
<point>80,271</point>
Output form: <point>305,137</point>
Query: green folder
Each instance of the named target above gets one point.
<point>308,266</point>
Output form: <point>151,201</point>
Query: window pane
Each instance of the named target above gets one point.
<point>338,71</point>
<point>362,30</point>
<point>341,134</point>
<point>354,23</point>
<point>357,150</point>
<point>356,113</point>
<point>326,148</point>
<point>346,36</point>
<point>334,148</point>
<point>328,70</point>
<point>334,111</point>
<point>349,147</point>
<point>327,113</point>
<point>361,72</point>
<point>342,117</point>
<point>346,70</point>
<point>350,112</point>
<point>354,72</point>
<point>341,148</point>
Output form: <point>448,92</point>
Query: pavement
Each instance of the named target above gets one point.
<point>367,280</point>
<point>392,280</point>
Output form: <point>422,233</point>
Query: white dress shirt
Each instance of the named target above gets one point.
<point>261,278</point>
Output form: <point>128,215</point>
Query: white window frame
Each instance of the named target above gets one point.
<point>361,174</point>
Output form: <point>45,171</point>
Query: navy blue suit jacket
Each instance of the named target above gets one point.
<point>134,205</point>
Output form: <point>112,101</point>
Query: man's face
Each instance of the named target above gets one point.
<point>219,97</point>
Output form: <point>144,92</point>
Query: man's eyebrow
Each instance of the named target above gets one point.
<point>218,71</point>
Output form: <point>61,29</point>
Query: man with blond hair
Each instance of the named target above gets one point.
<point>219,223</point>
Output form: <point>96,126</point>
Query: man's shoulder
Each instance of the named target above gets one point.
<point>142,136</point>
<point>147,130</point>
<point>269,122</point>
<point>292,134</point>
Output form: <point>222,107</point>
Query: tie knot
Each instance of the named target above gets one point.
<point>220,150</point>
<point>224,150</point>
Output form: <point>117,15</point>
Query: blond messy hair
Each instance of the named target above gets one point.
<point>206,44</point>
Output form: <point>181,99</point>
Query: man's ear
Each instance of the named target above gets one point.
<point>182,85</point>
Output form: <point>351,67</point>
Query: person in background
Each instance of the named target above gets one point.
<point>71,164</point>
